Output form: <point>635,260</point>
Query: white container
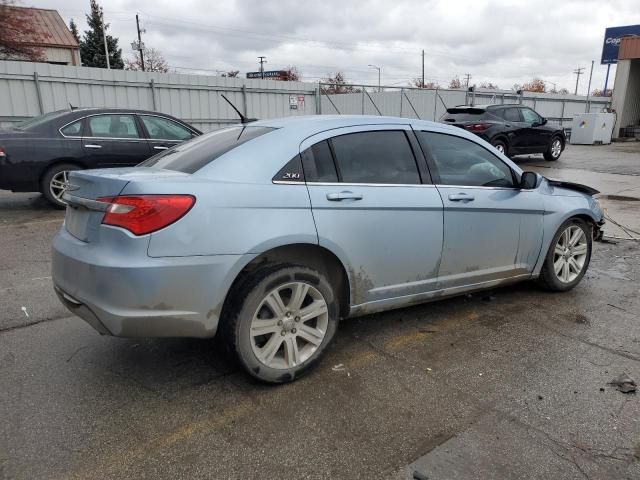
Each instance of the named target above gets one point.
<point>590,128</point>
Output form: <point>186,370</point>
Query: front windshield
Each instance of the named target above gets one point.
<point>41,120</point>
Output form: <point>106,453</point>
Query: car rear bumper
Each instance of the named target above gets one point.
<point>142,297</point>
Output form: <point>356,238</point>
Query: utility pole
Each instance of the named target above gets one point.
<point>468,75</point>
<point>140,42</point>
<point>262,62</point>
<point>578,72</point>
<point>106,48</point>
<point>422,68</point>
<point>379,69</point>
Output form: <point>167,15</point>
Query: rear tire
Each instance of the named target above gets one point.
<point>54,182</point>
<point>501,146</point>
<point>554,150</point>
<point>280,322</point>
<point>568,257</point>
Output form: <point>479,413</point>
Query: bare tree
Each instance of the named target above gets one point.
<point>600,93</point>
<point>337,83</point>
<point>455,83</point>
<point>293,74</point>
<point>231,74</point>
<point>417,82</point>
<point>489,86</point>
<point>153,61</point>
<point>563,91</point>
<point>18,34</point>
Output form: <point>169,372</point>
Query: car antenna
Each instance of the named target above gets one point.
<point>243,119</point>
<point>72,107</point>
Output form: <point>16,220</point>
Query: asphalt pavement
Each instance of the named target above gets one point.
<point>512,383</point>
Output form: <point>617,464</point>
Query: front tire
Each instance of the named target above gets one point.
<point>554,150</point>
<point>55,182</point>
<point>281,323</point>
<point>568,257</point>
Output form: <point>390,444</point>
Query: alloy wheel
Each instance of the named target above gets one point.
<point>59,184</point>
<point>289,325</point>
<point>570,254</point>
<point>500,148</point>
<point>556,148</point>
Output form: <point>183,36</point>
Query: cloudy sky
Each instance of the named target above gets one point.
<point>501,41</point>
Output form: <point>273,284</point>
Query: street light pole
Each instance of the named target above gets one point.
<point>379,69</point>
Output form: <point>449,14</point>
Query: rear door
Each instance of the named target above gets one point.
<point>374,205</point>
<point>515,128</point>
<point>163,133</point>
<point>492,229</point>
<point>114,140</point>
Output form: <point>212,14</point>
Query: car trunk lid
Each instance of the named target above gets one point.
<point>84,211</point>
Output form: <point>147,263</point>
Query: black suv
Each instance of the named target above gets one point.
<point>511,129</point>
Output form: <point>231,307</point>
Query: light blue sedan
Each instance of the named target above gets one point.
<point>269,232</point>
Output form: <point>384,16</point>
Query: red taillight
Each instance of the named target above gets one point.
<point>2,152</point>
<point>478,127</point>
<point>142,214</point>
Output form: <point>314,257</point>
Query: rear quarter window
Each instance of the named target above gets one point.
<point>191,156</point>
<point>457,117</point>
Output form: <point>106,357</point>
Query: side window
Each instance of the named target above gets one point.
<point>511,115</point>
<point>383,156</point>
<point>318,163</point>
<point>73,130</point>
<point>113,126</point>
<point>160,128</point>
<point>462,162</point>
<point>530,116</point>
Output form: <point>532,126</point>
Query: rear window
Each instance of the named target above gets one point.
<point>191,156</point>
<point>455,115</point>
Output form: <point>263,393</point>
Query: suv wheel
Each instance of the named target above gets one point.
<point>568,257</point>
<point>282,323</point>
<point>55,182</point>
<point>554,150</point>
<point>501,147</point>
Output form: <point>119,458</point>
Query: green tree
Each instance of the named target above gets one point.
<point>92,44</point>
<point>74,30</point>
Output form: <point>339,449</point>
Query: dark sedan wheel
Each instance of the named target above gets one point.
<point>568,257</point>
<point>501,147</point>
<point>282,323</point>
<point>55,182</point>
<point>554,150</point>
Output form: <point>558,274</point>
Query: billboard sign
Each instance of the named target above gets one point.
<point>270,74</point>
<point>612,36</point>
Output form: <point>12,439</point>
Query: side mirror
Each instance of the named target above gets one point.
<point>543,121</point>
<point>528,180</point>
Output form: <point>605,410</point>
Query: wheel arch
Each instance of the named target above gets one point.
<point>306,254</point>
<point>60,161</point>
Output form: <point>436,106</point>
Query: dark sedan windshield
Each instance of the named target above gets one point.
<point>191,156</point>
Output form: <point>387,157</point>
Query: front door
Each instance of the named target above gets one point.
<point>492,229</point>
<point>113,140</point>
<point>373,206</point>
<point>537,136</point>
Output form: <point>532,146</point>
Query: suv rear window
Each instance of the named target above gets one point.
<point>192,155</point>
<point>455,115</point>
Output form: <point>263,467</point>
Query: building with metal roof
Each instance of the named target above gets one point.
<point>50,34</point>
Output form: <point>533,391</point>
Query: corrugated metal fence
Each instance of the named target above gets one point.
<point>30,89</point>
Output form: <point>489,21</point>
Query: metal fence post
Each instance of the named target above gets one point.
<point>562,113</point>
<point>401,93</point>
<point>534,102</point>
<point>36,81</point>
<point>362,100</point>
<point>153,94</point>
<point>435,105</point>
<point>244,99</point>
<point>319,100</point>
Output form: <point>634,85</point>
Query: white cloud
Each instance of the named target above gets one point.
<point>502,41</point>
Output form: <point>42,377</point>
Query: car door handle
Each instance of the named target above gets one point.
<point>93,145</point>
<point>160,148</point>
<point>346,195</point>
<point>461,197</point>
